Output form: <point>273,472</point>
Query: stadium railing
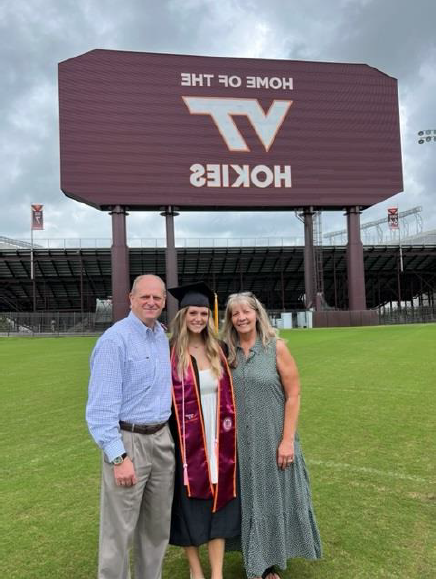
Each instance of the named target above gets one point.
<point>95,323</point>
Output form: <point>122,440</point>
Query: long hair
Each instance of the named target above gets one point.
<point>180,340</point>
<point>264,328</point>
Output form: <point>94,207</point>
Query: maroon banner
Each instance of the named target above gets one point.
<point>151,130</point>
<point>393,218</point>
<point>37,218</point>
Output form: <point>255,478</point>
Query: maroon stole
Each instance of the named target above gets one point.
<point>192,442</point>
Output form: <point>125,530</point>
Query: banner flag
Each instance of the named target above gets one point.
<point>393,218</point>
<point>37,216</point>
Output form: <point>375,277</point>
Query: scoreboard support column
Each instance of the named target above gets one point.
<point>119,265</point>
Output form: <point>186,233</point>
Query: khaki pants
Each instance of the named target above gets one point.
<point>139,515</point>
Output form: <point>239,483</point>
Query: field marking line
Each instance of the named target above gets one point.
<point>26,408</point>
<point>370,390</point>
<point>70,451</point>
<point>366,470</point>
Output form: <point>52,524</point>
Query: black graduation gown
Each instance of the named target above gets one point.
<point>192,521</point>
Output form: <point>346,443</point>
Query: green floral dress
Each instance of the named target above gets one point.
<point>278,521</point>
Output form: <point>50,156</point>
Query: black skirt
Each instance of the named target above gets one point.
<point>192,521</point>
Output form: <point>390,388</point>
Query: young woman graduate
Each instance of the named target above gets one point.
<point>206,508</point>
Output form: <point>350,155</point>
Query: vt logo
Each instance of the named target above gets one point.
<point>222,110</point>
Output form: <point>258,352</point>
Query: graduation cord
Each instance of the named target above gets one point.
<point>185,465</point>
<point>216,320</point>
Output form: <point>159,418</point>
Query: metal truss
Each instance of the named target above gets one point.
<point>374,233</point>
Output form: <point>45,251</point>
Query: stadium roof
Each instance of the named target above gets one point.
<point>423,238</point>
<point>6,243</point>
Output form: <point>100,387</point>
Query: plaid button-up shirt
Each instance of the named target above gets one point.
<point>130,380</point>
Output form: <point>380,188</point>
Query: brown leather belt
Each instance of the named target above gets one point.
<point>141,428</point>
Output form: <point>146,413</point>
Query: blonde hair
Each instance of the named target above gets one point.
<point>264,328</point>
<point>180,340</point>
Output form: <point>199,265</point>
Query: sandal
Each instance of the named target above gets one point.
<point>270,571</point>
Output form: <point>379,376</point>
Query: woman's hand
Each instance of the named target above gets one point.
<point>285,454</point>
<point>290,382</point>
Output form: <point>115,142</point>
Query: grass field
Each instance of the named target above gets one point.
<point>367,428</point>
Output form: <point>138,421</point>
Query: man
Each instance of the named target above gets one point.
<point>128,407</point>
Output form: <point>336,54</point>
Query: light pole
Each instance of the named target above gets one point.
<point>427,136</point>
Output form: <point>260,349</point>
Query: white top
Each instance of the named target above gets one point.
<point>208,385</point>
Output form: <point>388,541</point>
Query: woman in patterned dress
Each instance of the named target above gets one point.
<point>205,505</point>
<point>278,521</point>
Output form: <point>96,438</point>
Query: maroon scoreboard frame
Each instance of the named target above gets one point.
<point>147,130</point>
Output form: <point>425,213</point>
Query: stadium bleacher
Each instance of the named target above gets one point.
<point>73,279</point>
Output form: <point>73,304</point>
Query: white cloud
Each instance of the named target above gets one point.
<point>396,36</point>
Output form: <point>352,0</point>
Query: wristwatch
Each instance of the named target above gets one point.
<point>119,459</point>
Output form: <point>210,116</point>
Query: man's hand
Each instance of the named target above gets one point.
<point>124,473</point>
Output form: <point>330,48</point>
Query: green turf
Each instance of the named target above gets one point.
<point>367,428</point>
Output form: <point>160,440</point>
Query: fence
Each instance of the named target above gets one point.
<point>336,238</point>
<point>407,315</point>
<point>54,323</point>
<point>95,323</point>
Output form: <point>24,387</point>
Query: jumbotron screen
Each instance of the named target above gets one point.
<point>150,130</point>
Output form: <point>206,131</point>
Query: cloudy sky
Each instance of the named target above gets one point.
<point>395,36</point>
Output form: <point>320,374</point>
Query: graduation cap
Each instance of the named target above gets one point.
<point>196,294</point>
